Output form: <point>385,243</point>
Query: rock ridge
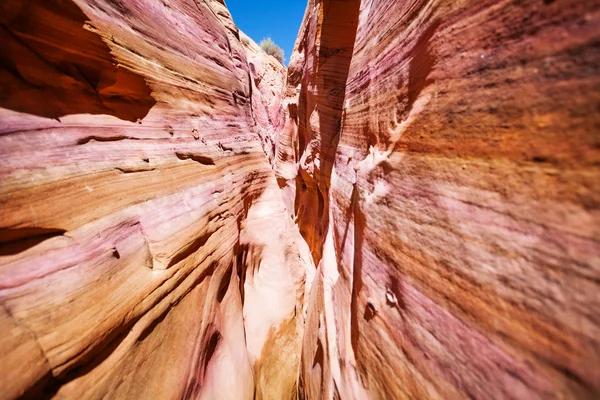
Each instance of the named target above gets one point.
<point>408,210</point>
<point>439,160</point>
<point>145,248</point>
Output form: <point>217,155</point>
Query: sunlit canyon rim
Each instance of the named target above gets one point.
<point>409,210</point>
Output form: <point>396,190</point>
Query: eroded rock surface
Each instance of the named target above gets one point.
<point>410,210</point>
<point>267,76</point>
<point>146,252</point>
<point>441,159</point>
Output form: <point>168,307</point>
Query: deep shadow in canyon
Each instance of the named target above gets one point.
<point>53,64</point>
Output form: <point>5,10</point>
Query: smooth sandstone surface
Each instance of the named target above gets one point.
<point>409,210</point>
<point>442,161</point>
<point>268,83</point>
<point>146,251</point>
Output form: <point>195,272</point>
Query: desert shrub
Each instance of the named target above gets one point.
<point>269,47</point>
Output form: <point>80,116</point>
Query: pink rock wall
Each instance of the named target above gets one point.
<point>413,213</point>
<point>268,77</point>
<point>441,160</point>
<point>145,250</point>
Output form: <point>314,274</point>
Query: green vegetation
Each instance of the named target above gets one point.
<point>271,48</point>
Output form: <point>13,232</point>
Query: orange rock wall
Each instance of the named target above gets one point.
<point>441,159</point>
<point>268,78</point>
<point>146,251</point>
<point>413,213</point>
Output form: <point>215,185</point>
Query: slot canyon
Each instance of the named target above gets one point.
<point>409,210</point>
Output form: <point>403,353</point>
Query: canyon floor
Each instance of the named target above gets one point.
<point>409,210</point>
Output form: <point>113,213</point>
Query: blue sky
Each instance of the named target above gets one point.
<point>279,19</point>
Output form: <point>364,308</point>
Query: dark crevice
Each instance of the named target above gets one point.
<point>15,241</point>
<point>370,311</point>
<point>357,283</point>
<point>331,67</point>
<point>45,388</point>
<point>210,350</point>
<point>224,147</point>
<point>133,170</point>
<point>224,284</point>
<point>318,359</point>
<point>88,139</point>
<point>190,249</point>
<point>204,160</point>
<point>209,344</point>
<point>241,261</point>
<point>53,72</point>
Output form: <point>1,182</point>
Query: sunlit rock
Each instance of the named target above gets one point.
<point>441,160</point>
<point>408,211</point>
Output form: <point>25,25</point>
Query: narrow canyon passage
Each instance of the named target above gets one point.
<point>408,210</point>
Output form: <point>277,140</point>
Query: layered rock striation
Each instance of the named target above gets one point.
<point>410,210</point>
<point>268,78</point>
<point>146,251</point>
<point>441,159</point>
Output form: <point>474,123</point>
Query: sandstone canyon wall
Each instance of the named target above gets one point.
<point>146,251</point>
<point>410,210</point>
<point>441,159</point>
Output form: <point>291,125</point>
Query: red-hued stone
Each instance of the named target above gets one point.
<point>167,189</point>
<point>441,160</point>
<point>145,249</point>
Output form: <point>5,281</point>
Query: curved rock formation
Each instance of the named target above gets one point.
<point>410,210</point>
<point>145,249</point>
<point>441,159</point>
<point>268,80</point>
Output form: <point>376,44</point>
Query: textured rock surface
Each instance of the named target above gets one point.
<point>146,251</point>
<point>268,77</point>
<point>165,199</point>
<point>441,159</point>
